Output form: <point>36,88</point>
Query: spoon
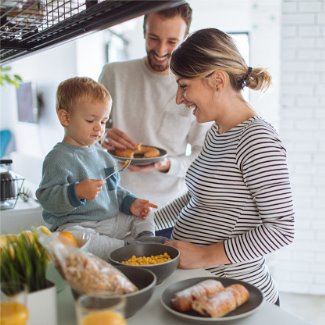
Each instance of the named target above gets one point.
<point>125,165</point>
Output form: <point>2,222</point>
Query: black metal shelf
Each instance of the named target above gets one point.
<point>28,26</point>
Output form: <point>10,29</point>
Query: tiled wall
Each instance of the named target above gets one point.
<point>301,267</point>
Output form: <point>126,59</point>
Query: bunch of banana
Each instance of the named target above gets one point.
<point>5,239</point>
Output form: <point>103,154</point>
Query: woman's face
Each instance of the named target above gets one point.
<point>199,95</point>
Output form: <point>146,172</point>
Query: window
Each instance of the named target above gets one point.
<point>242,42</point>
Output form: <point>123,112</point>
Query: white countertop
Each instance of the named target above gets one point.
<point>154,313</point>
<point>23,216</point>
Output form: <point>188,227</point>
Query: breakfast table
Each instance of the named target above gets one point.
<point>154,313</point>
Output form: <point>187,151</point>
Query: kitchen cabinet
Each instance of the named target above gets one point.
<point>28,26</point>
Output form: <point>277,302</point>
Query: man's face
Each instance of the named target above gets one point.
<point>162,35</point>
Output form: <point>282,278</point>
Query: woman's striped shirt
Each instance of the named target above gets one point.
<point>239,194</point>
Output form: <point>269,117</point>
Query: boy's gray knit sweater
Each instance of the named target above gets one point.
<point>66,165</point>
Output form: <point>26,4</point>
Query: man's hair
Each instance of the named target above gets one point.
<point>184,11</point>
<point>72,90</point>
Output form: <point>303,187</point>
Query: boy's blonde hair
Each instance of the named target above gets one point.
<point>72,90</point>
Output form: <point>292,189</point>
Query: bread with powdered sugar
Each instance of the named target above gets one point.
<point>223,302</point>
<point>182,300</point>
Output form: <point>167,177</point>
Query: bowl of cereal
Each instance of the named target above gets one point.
<point>162,260</point>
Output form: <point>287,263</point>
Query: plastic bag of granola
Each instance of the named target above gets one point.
<point>85,272</point>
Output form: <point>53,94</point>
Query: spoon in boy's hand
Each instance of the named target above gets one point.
<point>125,165</point>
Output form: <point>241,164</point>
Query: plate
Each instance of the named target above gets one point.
<point>249,307</point>
<point>141,160</point>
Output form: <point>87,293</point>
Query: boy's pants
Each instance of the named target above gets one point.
<point>110,234</point>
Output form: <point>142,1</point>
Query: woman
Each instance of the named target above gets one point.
<point>238,207</point>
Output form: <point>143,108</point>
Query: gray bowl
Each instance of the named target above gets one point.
<point>144,279</point>
<point>162,271</point>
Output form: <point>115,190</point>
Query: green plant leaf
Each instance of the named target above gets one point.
<point>5,68</point>
<point>5,77</point>
<point>18,77</point>
<point>24,260</point>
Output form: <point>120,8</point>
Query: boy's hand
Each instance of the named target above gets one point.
<point>88,189</point>
<point>140,208</point>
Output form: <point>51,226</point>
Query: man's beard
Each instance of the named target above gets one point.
<point>152,62</point>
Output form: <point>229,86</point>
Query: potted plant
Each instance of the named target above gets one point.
<point>24,260</point>
<point>6,77</point>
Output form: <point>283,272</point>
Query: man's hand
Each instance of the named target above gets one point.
<point>116,138</point>
<point>140,208</point>
<point>88,189</point>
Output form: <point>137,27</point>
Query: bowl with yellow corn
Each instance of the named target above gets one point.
<point>162,260</point>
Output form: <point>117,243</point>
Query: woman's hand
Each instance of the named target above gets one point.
<point>140,208</point>
<point>194,256</point>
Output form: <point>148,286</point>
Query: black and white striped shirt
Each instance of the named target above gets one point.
<point>239,194</point>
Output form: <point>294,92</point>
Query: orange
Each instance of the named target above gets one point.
<point>13,313</point>
<point>67,238</point>
<point>103,318</point>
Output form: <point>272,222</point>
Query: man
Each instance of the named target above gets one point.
<point>144,109</point>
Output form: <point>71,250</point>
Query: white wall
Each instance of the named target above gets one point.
<point>46,70</point>
<point>90,55</point>
<point>301,266</point>
<point>298,114</point>
<point>86,57</point>
<point>260,18</point>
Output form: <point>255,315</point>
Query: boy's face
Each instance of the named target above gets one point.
<point>85,124</point>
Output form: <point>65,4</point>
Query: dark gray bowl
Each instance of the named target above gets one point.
<point>162,271</point>
<point>144,279</point>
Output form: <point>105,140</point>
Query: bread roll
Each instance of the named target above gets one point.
<point>125,153</point>
<point>223,302</point>
<point>240,293</point>
<point>146,151</point>
<point>182,300</point>
<point>216,306</point>
<point>150,152</point>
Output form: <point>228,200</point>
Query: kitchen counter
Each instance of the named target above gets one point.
<point>23,216</point>
<point>154,313</point>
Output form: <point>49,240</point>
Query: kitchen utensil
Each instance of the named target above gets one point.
<point>13,303</point>
<point>144,279</point>
<point>26,194</point>
<point>249,307</point>
<point>162,270</point>
<point>142,160</point>
<point>94,309</point>
<point>10,185</point>
<point>125,165</point>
